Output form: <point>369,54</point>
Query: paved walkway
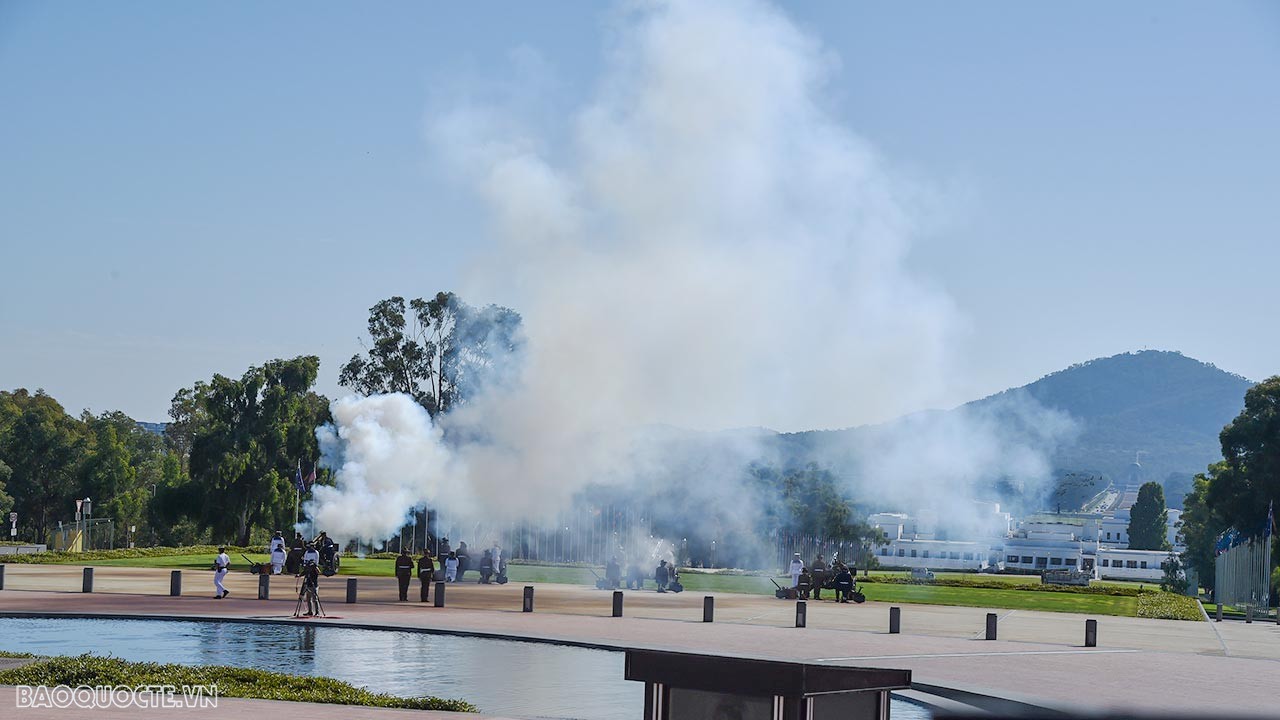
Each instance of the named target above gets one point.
<point>1148,665</point>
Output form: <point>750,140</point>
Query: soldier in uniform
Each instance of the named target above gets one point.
<point>220,565</point>
<point>844,583</point>
<point>613,574</point>
<point>486,567</point>
<point>661,575</point>
<point>426,573</point>
<point>804,583</point>
<point>819,572</point>
<point>404,571</point>
<point>796,566</point>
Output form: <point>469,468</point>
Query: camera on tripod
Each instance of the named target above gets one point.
<point>309,591</point>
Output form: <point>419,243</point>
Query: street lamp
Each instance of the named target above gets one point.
<point>87,509</point>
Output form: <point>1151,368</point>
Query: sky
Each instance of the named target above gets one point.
<point>192,188</point>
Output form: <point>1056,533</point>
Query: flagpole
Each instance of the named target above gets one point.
<point>297,494</point>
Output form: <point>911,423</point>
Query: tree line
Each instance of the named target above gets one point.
<point>225,468</point>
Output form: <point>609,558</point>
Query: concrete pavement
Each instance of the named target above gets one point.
<point>1139,664</point>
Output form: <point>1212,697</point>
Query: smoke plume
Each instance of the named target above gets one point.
<point>711,249</point>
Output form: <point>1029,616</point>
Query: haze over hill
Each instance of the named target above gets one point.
<point>1164,405</point>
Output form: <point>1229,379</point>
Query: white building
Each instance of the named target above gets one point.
<point>935,554</point>
<point>1141,565</point>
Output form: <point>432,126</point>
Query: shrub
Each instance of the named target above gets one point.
<point>122,553</point>
<point>1111,590</point>
<point>1168,606</point>
<point>93,670</point>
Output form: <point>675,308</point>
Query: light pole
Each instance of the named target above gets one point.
<point>88,513</point>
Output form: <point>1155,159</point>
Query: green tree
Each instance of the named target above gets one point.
<point>1201,525</point>
<point>1251,451</point>
<point>1149,519</point>
<point>439,351</point>
<point>244,454</point>
<point>1173,580</point>
<point>6,501</point>
<point>42,447</point>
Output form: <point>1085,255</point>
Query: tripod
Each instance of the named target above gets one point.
<point>308,595</point>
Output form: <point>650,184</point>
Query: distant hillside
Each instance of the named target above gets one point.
<point>1163,404</point>
<point>1166,406</point>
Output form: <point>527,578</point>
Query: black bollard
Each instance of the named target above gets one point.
<point>175,583</point>
<point>1217,614</point>
<point>1,577</point>
<point>617,603</point>
<point>351,590</point>
<point>708,609</point>
<point>1248,614</point>
<point>801,612</point>
<point>440,594</point>
<point>1091,633</point>
<point>264,586</point>
<point>528,599</point>
<point>991,626</point>
<point>895,620</point>
<point>87,586</point>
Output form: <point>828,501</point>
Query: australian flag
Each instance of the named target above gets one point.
<point>297,480</point>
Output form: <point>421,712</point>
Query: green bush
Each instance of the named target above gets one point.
<point>8,654</point>
<point>235,682</point>
<point>1111,590</point>
<point>1168,606</point>
<point>122,553</point>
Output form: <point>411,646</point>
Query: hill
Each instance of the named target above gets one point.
<point>1165,406</point>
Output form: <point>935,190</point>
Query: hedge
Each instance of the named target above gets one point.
<point>93,670</point>
<point>1112,590</point>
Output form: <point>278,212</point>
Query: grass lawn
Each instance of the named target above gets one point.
<point>1012,599</point>
<point>737,583</point>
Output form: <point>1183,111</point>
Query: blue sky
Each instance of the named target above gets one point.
<point>192,188</point>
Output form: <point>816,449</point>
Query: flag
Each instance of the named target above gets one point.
<point>297,479</point>
<point>1271,519</point>
<point>309,480</point>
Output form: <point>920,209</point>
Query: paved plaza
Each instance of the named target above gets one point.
<point>1150,665</point>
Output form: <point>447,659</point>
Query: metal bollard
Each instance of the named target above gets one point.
<point>1,577</point>
<point>801,612</point>
<point>352,590</point>
<point>439,594</point>
<point>175,583</point>
<point>264,587</point>
<point>1217,614</point>
<point>87,586</point>
<point>528,599</point>
<point>1091,633</point>
<point>617,603</point>
<point>895,620</point>
<point>1248,613</point>
<point>708,609</point>
<point>991,626</point>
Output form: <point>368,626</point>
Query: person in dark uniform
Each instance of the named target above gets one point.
<point>804,584</point>
<point>298,543</point>
<point>486,567</point>
<point>464,560</point>
<point>635,577</point>
<point>426,573</point>
<point>327,548</point>
<point>404,571</point>
<point>844,584</point>
<point>661,575</point>
<point>613,574</point>
<point>819,573</point>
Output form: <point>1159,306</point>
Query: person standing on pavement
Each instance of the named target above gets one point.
<point>220,565</point>
<point>796,567</point>
<point>426,573</point>
<point>404,571</point>
<point>451,567</point>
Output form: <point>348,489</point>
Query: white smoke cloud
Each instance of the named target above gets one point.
<point>713,249</point>
<point>387,458</point>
